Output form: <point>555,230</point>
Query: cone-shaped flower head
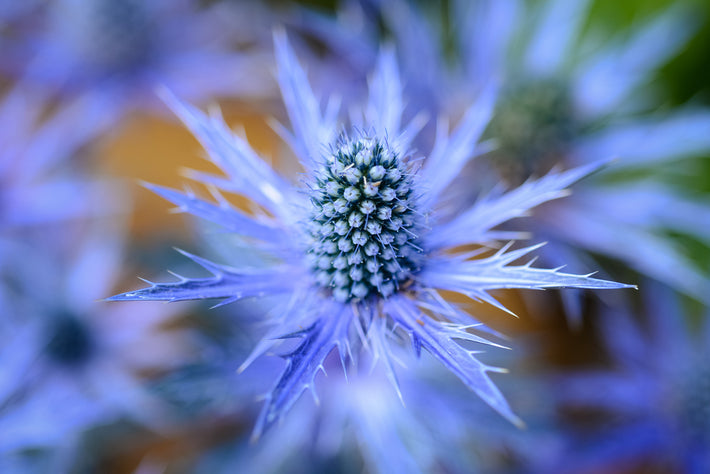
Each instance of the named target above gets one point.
<point>358,255</point>
<point>363,221</point>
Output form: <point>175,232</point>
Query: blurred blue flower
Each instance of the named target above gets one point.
<point>70,364</point>
<point>652,405</point>
<point>567,99</point>
<point>364,247</point>
<point>571,99</point>
<point>117,52</point>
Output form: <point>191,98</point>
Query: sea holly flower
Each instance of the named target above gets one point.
<point>364,248</point>
<point>656,389</point>
<point>69,365</point>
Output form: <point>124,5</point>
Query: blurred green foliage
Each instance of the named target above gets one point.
<point>688,75</point>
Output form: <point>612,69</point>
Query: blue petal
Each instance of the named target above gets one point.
<point>651,207</point>
<point>451,153</point>
<point>556,33</point>
<point>613,74</point>
<point>642,142</point>
<point>311,130</point>
<point>384,107</point>
<point>475,278</point>
<point>485,30</point>
<point>647,253</point>
<point>248,173</point>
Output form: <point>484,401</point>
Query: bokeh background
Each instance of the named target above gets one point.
<point>153,388</point>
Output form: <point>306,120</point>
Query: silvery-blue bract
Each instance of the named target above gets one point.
<point>362,249</point>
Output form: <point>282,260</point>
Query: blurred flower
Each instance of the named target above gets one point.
<point>117,52</point>
<point>571,99</point>
<point>356,253</point>
<point>360,425</point>
<point>654,398</point>
<point>68,364</point>
<point>71,364</point>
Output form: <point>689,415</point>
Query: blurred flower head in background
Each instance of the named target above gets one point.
<point>565,106</point>
<point>70,366</point>
<point>651,406</point>
<point>360,424</point>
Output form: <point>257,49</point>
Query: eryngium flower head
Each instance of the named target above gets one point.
<point>364,249</point>
<point>562,108</point>
<point>70,365</point>
<point>363,221</point>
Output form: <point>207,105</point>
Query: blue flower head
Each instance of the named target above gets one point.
<point>570,99</point>
<point>68,364</point>
<point>71,365</point>
<point>657,390</point>
<point>364,248</point>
